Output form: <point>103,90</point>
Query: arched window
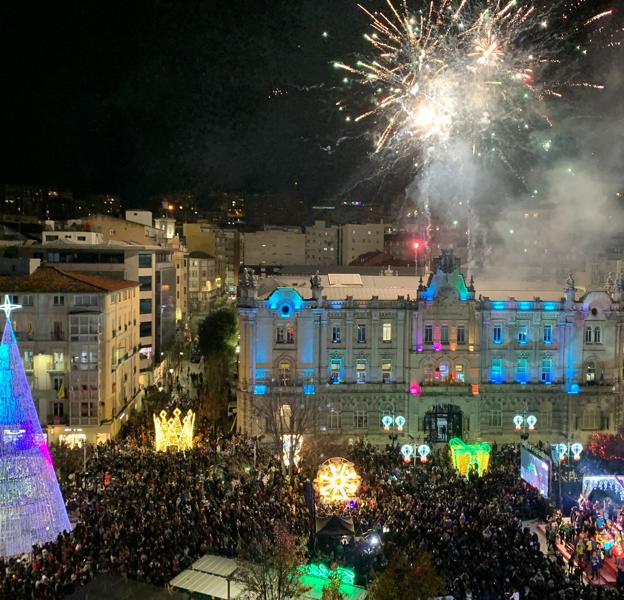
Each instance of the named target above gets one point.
<point>444,371</point>
<point>460,373</point>
<point>428,371</point>
<point>496,415</point>
<point>590,373</point>
<point>591,417</point>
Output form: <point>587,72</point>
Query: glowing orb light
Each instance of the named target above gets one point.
<point>407,451</point>
<point>337,481</point>
<point>400,423</point>
<point>387,421</point>
<point>465,457</point>
<point>576,450</point>
<point>560,451</point>
<point>423,452</point>
<point>531,421</point>
<point>518,420</point>
<point>174,433</point>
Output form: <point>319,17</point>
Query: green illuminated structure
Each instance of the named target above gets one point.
<point>467,457</point>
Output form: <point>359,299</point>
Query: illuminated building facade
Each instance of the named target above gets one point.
<point>79,339</point>
<point>455,358</point>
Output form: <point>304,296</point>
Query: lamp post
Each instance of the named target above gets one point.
<point>525,423</point>
<point>416,248</point>
<point>562,450</point>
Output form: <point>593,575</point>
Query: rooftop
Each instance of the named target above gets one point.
<point>50,279</point>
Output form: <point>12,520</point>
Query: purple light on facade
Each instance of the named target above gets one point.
<point>415,389</point>
<point>419,348</point>
<point>437,346</point>
<point>31,505</point>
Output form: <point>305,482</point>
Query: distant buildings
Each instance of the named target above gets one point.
<point>41,201</point>
<point>203,282</point>
<point>80,341</point>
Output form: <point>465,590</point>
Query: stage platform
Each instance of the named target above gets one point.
<point>608,573</point>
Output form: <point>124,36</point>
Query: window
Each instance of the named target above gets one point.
<point>523,334</point>
<point>588,335</point>
<point>360,370</point>
<point>59,300</point>
<point>28,359</point>
<point>386,371</point>
<point>546,369</point>
<point>145,329</point>
<point>545,418</point>
<point>497,335</point>
<point>145,281</point>
<point>444,334</point>
<point>428,373</point>
<point>497,370</point>
<point>335,370</point>
<point>387,332</point>
<point>145,306</point>
<point>57,382</point>
<point>361,333</point>
<point>279,335</point>
<point>460,374</point>
<point>145,261</point>
<point>496,417</point>
<point>597,335</point>
<point>360,419</point>
<point>58,361</point>
<point>336,337</point>
<point>590,373</point>
<point>85,300</point>
<point>461,334</point>
<point>27,301</point>
<point>444,371</point>
<point>284,372</point>
<point>57,330</point>
<point>522,370</point>
<point>591,417</point>
<point>58,409</point>
<point>548,334</point>
<point>428,334</point>
<point>334,419</point>
<point>290,335</point>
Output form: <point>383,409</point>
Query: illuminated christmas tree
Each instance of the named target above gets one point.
<point>31,505</point>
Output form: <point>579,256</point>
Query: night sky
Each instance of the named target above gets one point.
<point>146,97</point>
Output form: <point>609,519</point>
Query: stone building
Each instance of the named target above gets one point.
<point>451,360</point>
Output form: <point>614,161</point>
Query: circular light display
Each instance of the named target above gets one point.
<point>337,481</point>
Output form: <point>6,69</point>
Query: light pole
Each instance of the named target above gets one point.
<point>525,423</point>
<point>416,247</point>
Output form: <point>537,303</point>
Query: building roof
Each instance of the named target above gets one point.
<point>50,279</point>
<point>201,254</point>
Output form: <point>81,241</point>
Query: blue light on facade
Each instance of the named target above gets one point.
<point>524,305</point>
<point>499,305</point>
<point>260,389</point>
<point>551,305</point>
<point>308,389</point>
<point>574,388</point>
<point>285,301</point>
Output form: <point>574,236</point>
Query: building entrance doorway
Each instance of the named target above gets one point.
<point>443,422</point>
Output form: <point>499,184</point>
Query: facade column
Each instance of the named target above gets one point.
<point>322,367</point>
<point>374,367</point>
<point>402,335</point>
<point>348,366</point>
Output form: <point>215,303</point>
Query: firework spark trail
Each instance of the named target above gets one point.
<point>473,73</point>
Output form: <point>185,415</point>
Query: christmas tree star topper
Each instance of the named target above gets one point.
<point>8,306</point>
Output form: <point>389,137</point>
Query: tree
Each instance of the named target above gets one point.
<point>218,336</point>
<point>269,566</point>
<point>406,580</point>
<point>332,590</point>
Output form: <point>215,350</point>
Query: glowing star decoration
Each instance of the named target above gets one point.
<point>423,452</point>
<point>518,420</point>
<point>286,450</point>
<point>337,481</point>
<point>400,423</point>
<point>8,307</point>
<point>387,421</point>
<point>576,448</point>
<point>469,457</point>
<point>407,451</point>
<point>531,421</point>
<point>174,433</point>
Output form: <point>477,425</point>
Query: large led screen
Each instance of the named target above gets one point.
<point>535,471</point>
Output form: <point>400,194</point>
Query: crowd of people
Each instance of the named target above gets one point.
<point>147,516</point>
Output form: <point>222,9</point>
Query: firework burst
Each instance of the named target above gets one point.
<point>475,71</point>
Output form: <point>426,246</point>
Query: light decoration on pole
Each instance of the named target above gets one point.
<point>423,451</point>
<point>518,420</point>
<point>465,457</point>
<point>387,421</point>
<point>407,450</point>
<point>286,449</point>
<point>31,505</point>
<point>399,421</point>
<point>576,448</point>
<point>531,421</point>
<point>337,481</point>
<point>560,451</point>
<point>174,433</point>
